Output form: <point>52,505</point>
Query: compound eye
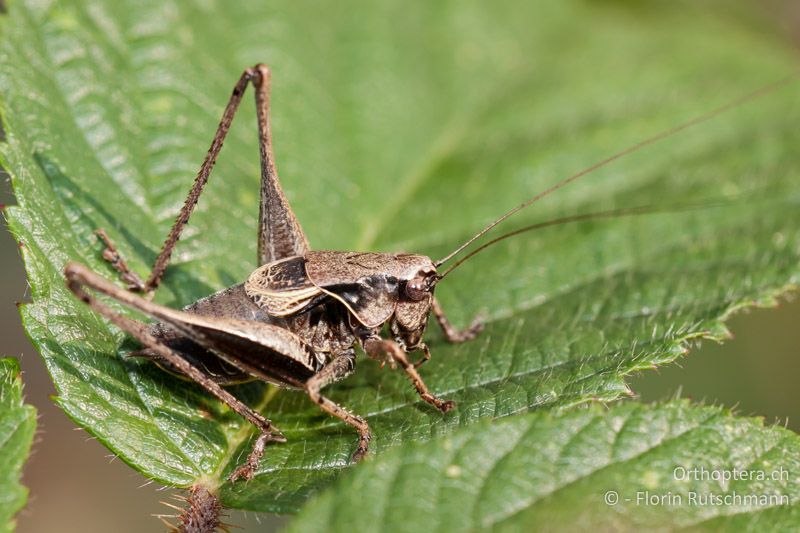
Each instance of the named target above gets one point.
<point>416,289</point>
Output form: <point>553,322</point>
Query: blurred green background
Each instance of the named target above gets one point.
<point>71,475</point>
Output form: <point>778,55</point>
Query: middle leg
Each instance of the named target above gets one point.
<point>339,368</point>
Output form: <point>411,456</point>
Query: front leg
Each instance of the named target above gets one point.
<point>378,348</point>
<point>452,334</point>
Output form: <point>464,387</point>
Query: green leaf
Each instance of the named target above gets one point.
<point>631,468</point>
<point>397,127</point>
<point>17,425</point>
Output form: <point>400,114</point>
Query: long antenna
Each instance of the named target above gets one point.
<point>629,150</point>
<point>611,213</point>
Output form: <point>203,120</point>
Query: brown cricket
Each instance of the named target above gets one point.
<point>298,318</point>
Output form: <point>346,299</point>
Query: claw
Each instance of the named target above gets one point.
<point>276,437</point>
<point>446,406</point>
<point>476,326</point>
<point>389,361</point>
<point>362,449</point>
